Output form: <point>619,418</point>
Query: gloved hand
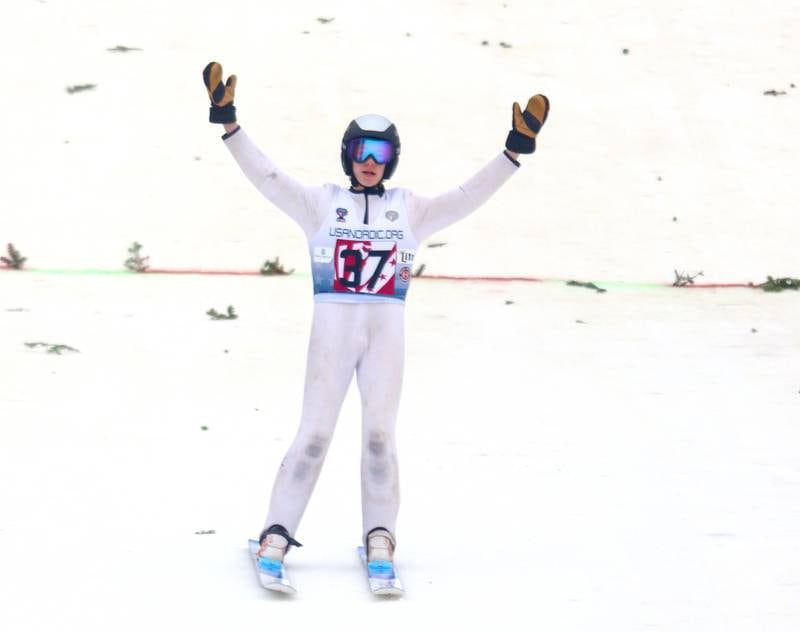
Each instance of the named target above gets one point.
<point>222,110</point>
<point>526,125</point>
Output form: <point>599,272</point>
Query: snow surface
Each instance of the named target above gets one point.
<point>570,460</point>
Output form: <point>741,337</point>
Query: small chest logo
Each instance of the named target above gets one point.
<point>392,215</point>
<point>341,213</point>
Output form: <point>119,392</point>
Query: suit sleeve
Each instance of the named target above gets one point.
<point>429,215</point>
<point>302,203</point>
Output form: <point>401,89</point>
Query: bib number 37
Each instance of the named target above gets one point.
<point>364,266</point>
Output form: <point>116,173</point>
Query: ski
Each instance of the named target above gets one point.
<point>382,577</point>
<point>271,573</point>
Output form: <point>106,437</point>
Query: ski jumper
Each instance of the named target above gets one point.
<point>361,248</point>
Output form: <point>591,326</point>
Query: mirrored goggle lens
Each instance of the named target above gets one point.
<point>359,149</point>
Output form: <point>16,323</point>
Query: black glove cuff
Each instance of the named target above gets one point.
<point>519,143</point>
<point>224,114</point>
<point>227,135</point>
<point>512,160</point>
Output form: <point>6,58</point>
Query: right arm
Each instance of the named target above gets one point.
<point>303,204</point>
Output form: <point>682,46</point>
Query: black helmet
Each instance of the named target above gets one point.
<point>371,126</point>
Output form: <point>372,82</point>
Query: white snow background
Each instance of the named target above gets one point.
<point>570,460</point>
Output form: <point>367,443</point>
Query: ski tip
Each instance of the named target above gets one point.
<point>283,589</point>
<point>389,592</point>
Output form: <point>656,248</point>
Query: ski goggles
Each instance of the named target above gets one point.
<point>359,149</point>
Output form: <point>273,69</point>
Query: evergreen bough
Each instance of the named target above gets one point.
<point>780,284</point>
<point>229,315</point>
<point>274,267</point>
<point>136,262</point>
<point>14,259</point>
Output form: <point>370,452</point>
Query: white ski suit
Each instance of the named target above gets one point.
<point>361,250</point>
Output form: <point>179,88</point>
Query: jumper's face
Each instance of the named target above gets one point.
<point>369,157</point>
<point>368,173</point>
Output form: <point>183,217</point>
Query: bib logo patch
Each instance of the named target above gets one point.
<point>406,256</point>
<point>323,254</point>
<point>341,213</point>
<point>392,215</point>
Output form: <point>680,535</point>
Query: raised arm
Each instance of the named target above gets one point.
<point>300,202</point>
<point>429,215</point>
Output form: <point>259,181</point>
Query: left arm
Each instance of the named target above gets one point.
<point>428,215</point>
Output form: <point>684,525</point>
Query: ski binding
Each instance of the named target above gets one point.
<point>271,573</point>
<point>382,577</point>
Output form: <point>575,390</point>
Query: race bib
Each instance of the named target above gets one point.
<point>364,267</point>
